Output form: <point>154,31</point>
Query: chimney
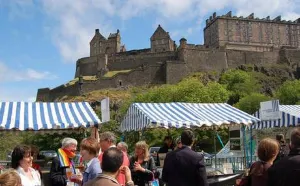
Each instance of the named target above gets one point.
<point>182,43</point>
<point>97,31</point>
<point>214,15</point>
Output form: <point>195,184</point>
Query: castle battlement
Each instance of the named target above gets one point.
<point>251,17</point>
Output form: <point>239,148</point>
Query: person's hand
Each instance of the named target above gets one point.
<point>76,179</point>
<point>125,170</point>
<point>138,167</point>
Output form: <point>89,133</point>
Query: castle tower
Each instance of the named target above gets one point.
<point>161,41</point>
<point>114,43</point>
<point>96,44</point>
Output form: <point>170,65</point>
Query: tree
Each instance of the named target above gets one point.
<point>289,92</point>
<point>251,103</point>
<point>240,84</point>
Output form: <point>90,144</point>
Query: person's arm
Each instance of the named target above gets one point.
<point>165,171</point>
<point>128,178</point>
<point>57,174</point>
<point>201,173</point>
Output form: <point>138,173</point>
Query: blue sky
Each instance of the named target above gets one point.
<point>40,40</point>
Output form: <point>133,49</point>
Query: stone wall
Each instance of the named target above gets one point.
<point>218,60</point>
<point>175,71</point>
<point>151,75</point>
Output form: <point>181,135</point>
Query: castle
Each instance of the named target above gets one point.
<point>229,42</point>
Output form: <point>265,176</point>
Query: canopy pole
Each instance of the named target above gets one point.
<point>244,142</point>
<point>251,144</point>
<point>215,147</point>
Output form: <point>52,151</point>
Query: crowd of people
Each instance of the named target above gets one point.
<point>107,163</point>
<point>279,163</point>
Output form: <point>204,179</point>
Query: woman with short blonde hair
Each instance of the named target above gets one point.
<point>10,178</point>
<point>142,165</point>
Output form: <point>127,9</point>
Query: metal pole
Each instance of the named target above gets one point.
<point>251,144</point>
<point>215,148</point>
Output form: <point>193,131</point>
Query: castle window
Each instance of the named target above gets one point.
<point>164,49</point>
<point>120,83</point>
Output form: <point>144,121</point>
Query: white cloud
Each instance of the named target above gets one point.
<point>10,75</point>
<point>77,19</point>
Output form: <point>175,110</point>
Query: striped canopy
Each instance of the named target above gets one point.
<point>43,116</point>
<point>289,117</point>
<point>167,115</point>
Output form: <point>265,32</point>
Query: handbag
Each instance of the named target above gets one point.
<point>154,182</point>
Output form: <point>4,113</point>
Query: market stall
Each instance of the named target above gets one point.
<point>45,116</point>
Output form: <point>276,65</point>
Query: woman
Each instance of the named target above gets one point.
<point>10,178</point>
<point>267,151</point>
<point>21,161</point>
<point>89,149</point>
<point>142,165</point>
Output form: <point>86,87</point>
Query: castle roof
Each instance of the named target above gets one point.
<point>160,33</point>
<point>97,36</point>
<point>113,35</point>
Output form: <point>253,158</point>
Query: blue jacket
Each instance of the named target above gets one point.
<point>92,171</point>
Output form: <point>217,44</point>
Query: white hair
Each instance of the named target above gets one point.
<point>123,145</point>
<point>68,141</point>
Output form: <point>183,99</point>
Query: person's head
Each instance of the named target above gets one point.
<point>34,151</point>
<point>107,139</point>
<point>69,144</point>
<point>89,148</point>
<point>187,137</point>
<point>267,150</point>
<point>168,141</point>
<point>112,160</point>
<point>280,138</point>
<point>142,150</point>
<point>10,178</point>
<point>295,138</point>
<point>122,146</point>
<point>21,156</point>
<point>178,143</point>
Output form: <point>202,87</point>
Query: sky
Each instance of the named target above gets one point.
<point>41,40</point>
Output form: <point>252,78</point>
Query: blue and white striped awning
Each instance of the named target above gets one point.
<point>167,115</point>
<point>43,116</point>
<point>289,117</point>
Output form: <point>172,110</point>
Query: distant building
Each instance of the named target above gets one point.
<point>229,42</point>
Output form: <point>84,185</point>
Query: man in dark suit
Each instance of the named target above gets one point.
<point>184,167</point>
<point>286,171</point>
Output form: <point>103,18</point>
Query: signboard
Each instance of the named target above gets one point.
<point>269,110</point>
<point>235,138</point>
<point>235,144</point>
<point>105,110</point>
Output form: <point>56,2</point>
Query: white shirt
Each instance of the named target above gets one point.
<point>36,181</point>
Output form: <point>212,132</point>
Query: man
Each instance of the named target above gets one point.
<point>183,166</point>
<point>108,140</point>
<point>283,147</point>
<point>286,171</point>
<point>111,164</point>
<point>168,145</point>
<point>63,161</point>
